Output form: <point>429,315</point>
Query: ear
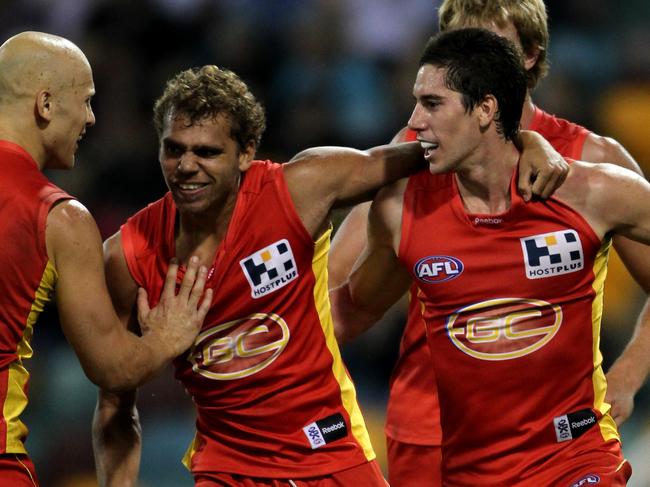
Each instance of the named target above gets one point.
<point>530,58</point>
<point>487,111</point>
<point>246,156</point>
<point>44,105</point>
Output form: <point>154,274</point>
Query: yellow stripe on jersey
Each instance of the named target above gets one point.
<point>321,300</point>
<point>18,376</point>
<point>606,423</point>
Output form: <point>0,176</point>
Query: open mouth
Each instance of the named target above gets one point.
<point>429,148</point>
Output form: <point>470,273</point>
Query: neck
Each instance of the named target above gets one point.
<point>485,185</point>
<point>201,233</point>
<point>527,112</point>
<point>13,131</point>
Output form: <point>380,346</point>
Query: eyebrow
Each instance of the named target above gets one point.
<point>431,98</point>
<point>170,142</point>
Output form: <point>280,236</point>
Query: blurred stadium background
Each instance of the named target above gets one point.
<point>328,72</point>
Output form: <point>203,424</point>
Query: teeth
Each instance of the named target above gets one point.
<point>188,186</point>
<point>428,145</point>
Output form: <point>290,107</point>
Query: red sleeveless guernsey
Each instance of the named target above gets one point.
<point>272,394</point>
<point>512,305</point>
<point>27,280</point>
<point>413,412</point>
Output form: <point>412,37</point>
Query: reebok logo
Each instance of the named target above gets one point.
<point>584,422</point>
<point>334,427</point>
<point>572,425</point>
<point>325,430</point>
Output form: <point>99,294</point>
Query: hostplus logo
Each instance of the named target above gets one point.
<point>552,254</point>
<point>270,268</point>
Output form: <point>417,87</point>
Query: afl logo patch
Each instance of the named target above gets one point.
<point>438,268</point>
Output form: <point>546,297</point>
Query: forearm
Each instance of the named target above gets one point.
<point>632,368</point>
<point>116,440</point>
<point>350,320</point>
<point>126,362</point>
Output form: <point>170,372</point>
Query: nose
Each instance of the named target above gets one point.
<point>416,120</point>
<point>186,163</point>
<point>90,118</point>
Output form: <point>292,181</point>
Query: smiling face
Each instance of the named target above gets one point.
<point>447,131</point>
<point>202,163</point>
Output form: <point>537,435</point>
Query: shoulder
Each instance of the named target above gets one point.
<point>597,188</point>
<point>69,214</point>
<point>599,149</point>
<point>70,231</point>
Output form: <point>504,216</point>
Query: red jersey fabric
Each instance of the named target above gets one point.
<point>413,411</point>
<point>512,304</point>
<point>273,397</point>
<point>27,280</point>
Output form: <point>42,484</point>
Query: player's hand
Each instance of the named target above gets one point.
<point>177,319</point>
<point>541,168</point>
<point>620,395</point>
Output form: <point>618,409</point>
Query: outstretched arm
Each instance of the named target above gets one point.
<point>378,279</point>
<point>323,178</point>
<point>112,357</point>
<point>350,238</point>
<point>629,372</point>
<point>542,170</point>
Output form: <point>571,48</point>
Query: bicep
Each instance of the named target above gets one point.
<point>379,279</point>
<point>622,201</point>
<point>604,149</point>
<point>74,246</point>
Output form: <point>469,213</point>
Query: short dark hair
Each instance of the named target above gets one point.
<point>207,92</point>
<point>480,63</point>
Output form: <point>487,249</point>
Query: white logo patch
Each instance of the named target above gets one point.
<point>552,254</point>
<point>270,268</point>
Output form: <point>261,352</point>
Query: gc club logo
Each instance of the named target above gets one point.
<point>239,348</point>
<point>437,268</point>
<point>504,328</point>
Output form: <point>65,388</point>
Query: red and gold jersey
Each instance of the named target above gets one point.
<point>413,413</point>
<point>512,304</point>
<point>272,394</point>
<point>566,137</point>
<point>27,280</point>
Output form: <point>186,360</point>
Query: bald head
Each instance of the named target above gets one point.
<point>45,89</point>
<point>32,61</point>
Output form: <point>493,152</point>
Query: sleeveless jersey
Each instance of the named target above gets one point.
<point>413,412</point>
<point>273,397</point>
<point>27,280</point>
<point>512,304</point>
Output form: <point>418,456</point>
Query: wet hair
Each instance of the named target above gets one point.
<point>529,18</point>
<point>478,63</point>
<point>207,92</point>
